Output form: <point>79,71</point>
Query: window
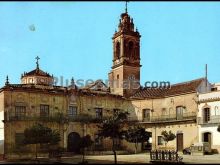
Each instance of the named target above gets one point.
<point>19,138</point>
<point>160,140</point>
<point>217,111</point>
<point>146,114</point>
<point>117,50</point>
<point>214,89</point>
<point>179,112</point>
<point>206,115</point>
<point>72,111</point>
<point>164,111</point>
<point>98,112</point>
<point>20,112</point>
<point>30,80</point>
<point>44,110</point>
<point>98,140</point>
<point>130,49</point>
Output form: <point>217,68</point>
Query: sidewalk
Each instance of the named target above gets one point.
<point>142,158</point>
<point>145,159</point>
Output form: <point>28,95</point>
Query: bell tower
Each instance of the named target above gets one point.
<point>124,78</point>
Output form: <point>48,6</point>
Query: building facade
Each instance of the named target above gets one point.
<point>76,111</point>
<point>209,117</point>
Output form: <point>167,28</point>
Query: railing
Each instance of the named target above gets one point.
<point>132,119</point>
<point>163,118</point>
<point>29,118</point>
<point>58,119</point>
<point>87,118</point>
<point>19,149</point>
<point>94,119</point>
<point>213,120</point>
<point>165,156</point>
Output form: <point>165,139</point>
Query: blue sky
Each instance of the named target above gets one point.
<point>73,39</point>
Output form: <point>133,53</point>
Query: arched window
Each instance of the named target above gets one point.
<point>171,110</point>
<point>216,110</point>
<point>131,49</point>
<point>117,50</point>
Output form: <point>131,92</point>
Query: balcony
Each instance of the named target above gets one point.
<point>166,118</point>
<point>29,118</point>
<point>213,120</point>
<point>87,118</point>
<point>59,118</point>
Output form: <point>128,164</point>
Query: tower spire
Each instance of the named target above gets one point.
<point>37,58</point>
<point>126,6</point>
<point>7,81</point>
<point>126,58</point>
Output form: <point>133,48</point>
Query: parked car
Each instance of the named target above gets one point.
<point>187,151</point>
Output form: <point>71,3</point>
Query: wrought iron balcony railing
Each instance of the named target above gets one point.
<point>86,118</point>
<point>212,120</point>
<point>166,118</point>
<point>57,118</point>
<point>174,117</point>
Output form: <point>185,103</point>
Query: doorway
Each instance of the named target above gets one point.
<point>207,137</point>
<point>73,142</point>
<point>179,142</point>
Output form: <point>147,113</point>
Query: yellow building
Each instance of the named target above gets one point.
<point>37,99</point>
<point>172,109</point>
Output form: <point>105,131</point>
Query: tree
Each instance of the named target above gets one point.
<point>112,128</point>
<point>39,134</point>
<point>137,134</point>
<point>85,142</point>
<point>167,136</point>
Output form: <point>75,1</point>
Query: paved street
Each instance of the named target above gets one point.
<point>129,159</point>
<point>145,158</point>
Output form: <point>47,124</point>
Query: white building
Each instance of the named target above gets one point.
<point>209,117</point>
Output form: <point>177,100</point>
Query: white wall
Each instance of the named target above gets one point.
<point>215,113</point>
<point>209,95</point>
<point>213,131</point>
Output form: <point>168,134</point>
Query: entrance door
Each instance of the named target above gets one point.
<point>179,142</point>
<point>207,138</point>
<point>73,142</point>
